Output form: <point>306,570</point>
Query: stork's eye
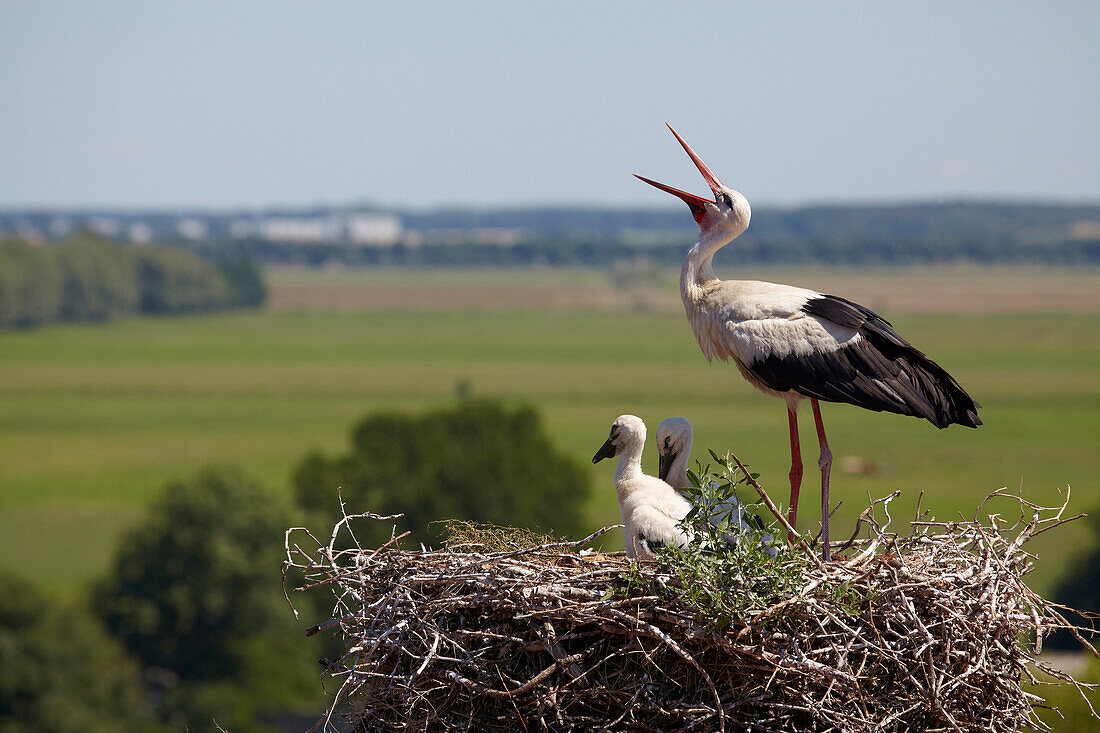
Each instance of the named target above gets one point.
<point>727,200</point>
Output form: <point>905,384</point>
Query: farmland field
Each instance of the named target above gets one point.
<point>94,419</point>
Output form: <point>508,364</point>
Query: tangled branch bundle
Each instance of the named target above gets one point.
<point>933,631</point>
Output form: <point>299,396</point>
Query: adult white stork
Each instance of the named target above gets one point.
<point>794,343</point>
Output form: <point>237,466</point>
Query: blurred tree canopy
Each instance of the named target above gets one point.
<point>479,461</point>
<point>97,281</point>
<point>1080,589</point>
<point>30,285</point>
<point>173,281</point>
<point>89,278</point>
<point>246,285</point>
<point>59,670</point>
<point>195,594</point>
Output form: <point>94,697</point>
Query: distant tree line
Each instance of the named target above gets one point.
<point>88,278</point>
<point>929,220</point>
<point>915,233</point>
<point>562,236</point>
<point>595,251</point>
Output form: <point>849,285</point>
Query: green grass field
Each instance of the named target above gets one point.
<point>94,419</point>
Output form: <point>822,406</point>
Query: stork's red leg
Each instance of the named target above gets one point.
<point>826,463</point>
<point>796,465</point>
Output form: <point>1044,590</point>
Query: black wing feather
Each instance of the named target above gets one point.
<point>882,372</point>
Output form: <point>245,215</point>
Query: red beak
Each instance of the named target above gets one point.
<point>695,203</point>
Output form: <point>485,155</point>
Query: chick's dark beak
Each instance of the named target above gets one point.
<point>663,464</point>
<point>607,450</point>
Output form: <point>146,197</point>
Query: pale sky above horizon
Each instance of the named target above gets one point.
<point>421,104</point>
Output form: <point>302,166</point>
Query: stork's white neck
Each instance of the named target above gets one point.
<point>630,463</point>
<point>698,269</point>
<point>678,471</point>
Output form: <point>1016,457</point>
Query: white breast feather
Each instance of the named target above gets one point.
<point>752,320</point>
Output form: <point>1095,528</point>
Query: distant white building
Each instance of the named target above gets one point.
<point>380,230</point>
<point>105,226</point>
<point>366,230</point>
<point>301,229</point>
<point>140,233</point>
<point>60,228</point>
<point>242,228</point>
<point>192,228</point>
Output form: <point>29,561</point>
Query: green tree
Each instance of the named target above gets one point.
<point>196,590</point>
<point>59,670</point>
<point>99,279</point>
<point>175,281</point>
<point>246,285</point>
<point>478,461</point>
<point>30,284</point>
<point>1080,589</point>
<point>91,278</point>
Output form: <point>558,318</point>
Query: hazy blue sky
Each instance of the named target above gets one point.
<point>420,103</point>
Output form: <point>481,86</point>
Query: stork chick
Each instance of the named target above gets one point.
<point>651,509</point>
<point>674,439</point>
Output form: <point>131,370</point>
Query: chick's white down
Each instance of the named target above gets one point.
<point>674,437</point>
<point>651,509</point>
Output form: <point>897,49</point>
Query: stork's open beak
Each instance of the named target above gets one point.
<point>697,204</point>
<point>607,450</point>
<point>664,462</point>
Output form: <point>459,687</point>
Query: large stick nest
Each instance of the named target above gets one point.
<point>934,630</point>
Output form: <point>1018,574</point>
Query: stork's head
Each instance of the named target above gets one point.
<point>674,437</point>
<point>627,430</point>
<point>725,217</point>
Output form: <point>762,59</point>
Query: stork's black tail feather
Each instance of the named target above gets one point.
<point>884,372</point>
<point>934,387</point>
